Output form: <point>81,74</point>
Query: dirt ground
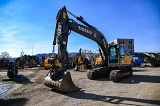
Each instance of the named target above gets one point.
<point>143,88</point>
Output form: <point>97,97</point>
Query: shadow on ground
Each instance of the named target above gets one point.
<point>110,99</point>
<point>139,70</point>
<point>19,79</point>
<point>141,78</point>
<point>13,102</point>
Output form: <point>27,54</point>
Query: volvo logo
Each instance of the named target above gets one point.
<point>59,29</point>
<point>84,30</point>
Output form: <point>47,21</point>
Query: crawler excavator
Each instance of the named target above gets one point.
<point>116,63</point>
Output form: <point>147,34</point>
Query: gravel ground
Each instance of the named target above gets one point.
<point>143,88</point>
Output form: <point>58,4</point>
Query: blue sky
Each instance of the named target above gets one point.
<point>27,24</point>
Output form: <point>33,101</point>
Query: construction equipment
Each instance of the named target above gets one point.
<point>21,62</point>
<point>83,61</point>
<point>27,61</point>
<point>12,70</point>
<point>4,63</point>
<point>116,64</point>
<point>47,65</point>
<point>151,59</point>
<point>98,61</point>
<point>46,62</point>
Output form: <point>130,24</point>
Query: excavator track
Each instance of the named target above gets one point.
<point>114,75</point>
<point>97,73</point>
<point>118,75</point>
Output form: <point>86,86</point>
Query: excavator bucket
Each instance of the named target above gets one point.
<point>62,83</point>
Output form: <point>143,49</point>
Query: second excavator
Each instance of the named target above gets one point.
<point>116,63</point>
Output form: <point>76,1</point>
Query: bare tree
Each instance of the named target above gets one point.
<point>21,54</point>
<point>5,55</point>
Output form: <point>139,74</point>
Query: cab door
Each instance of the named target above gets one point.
<point>113,55</point>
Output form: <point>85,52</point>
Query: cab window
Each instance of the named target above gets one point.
<point>113,53</point>
<point>122,50</point>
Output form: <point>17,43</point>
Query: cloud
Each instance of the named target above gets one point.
<point>27,25</point>
<point>24,28</point>
<point>16,38</point>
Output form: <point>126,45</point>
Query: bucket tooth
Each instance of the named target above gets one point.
<point>64,83</point>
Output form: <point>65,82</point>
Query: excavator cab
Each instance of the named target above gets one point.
<point>113,54</point>
<point>118,56</point>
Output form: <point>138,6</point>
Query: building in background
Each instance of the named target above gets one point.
<point>129,43</point>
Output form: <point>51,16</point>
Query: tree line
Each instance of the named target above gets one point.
<point>4,55</point>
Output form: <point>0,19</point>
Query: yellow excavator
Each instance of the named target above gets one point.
<point>83,61</point>
<point>116,64</point>
<point>98,60</point>
<point>47,65</point>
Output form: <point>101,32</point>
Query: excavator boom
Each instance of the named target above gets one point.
<point>59,78</point>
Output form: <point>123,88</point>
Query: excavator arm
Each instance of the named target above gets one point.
<point>65,25</point>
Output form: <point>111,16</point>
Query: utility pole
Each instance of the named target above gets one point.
<point>32,51</point>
